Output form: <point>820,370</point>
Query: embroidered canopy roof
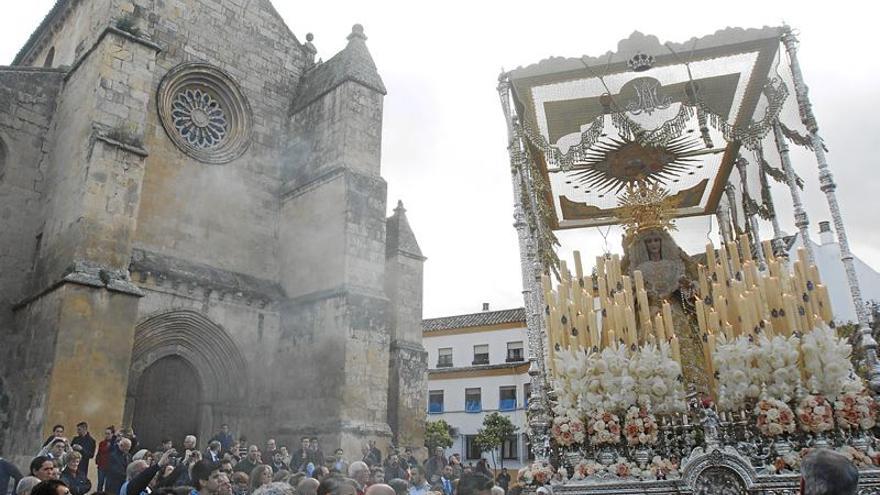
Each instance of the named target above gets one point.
<point>673,114</point>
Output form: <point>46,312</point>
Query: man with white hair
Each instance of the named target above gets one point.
<point>360,473</point>
<point>825,472</point>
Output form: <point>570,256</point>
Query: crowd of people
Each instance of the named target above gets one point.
<point>229,466</point>
<point>234,466</point>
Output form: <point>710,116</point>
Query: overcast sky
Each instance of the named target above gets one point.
<point>444,136</point>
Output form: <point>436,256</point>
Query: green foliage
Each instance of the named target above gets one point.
<point>496,428</point>
<point>437,434</point>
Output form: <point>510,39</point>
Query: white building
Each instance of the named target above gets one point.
<point>827,259</point>
<point>478,364</point>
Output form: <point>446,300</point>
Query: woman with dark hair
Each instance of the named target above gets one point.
<point>51,487</point>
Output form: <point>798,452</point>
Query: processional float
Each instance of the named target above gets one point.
<point>656,371</point>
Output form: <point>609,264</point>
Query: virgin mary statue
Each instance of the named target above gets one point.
<point>668,274</point>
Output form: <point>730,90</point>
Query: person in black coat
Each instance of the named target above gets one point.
<point>76,481</point>
<point>117,464</point>
<point>85,445</point>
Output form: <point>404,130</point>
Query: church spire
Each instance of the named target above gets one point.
<point>353,63</point>
<point>399,235</point>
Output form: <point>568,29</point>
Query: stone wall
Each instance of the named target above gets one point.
<point>278,254</point>
<point>27,100</point>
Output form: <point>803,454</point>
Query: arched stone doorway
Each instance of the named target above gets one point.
<point>176,343</point>
<point>166,396</point>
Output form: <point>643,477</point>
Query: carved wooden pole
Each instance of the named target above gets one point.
<point>827,185</point>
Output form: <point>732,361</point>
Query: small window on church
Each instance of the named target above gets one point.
<point>50,58</point>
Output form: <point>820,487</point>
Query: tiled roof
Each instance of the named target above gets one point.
<point>480,319</point>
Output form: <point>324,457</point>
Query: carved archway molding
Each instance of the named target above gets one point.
<point>221,368</point>
<point>716,457</point>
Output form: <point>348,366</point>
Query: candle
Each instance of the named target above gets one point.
<point>612,339</point>
<point>676,351</point>
<point>746,247</point>
<point>578,268</point>
<point>824,303</point>
<point>639,280</point>
<point>721,307</point>
<point>712,320</point>
<point>701,315</point>
<point>583,335</point>
<point>704,281</point>
<point>710,257</point>
<point>667,319</point>
<point>768,251</point>
<point>659,328</point>
<point>733,253</point>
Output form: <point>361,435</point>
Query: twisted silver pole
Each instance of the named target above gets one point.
<point>827,185</point>
<point>801,220</point>
<point>530,266</point>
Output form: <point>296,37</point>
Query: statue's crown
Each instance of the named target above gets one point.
<point>645,206</point>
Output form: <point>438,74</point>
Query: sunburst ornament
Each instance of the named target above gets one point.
<point>613,163</point>
<point>645,206</point>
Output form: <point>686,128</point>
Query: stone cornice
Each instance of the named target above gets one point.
<point>115,31</point>
<point>88,274</point>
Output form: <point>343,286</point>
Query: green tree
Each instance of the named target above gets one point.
<point>437,435</point>
<point>496,429</point>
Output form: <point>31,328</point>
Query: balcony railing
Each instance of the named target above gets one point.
<point>480,359</point>
<point>444,362</point>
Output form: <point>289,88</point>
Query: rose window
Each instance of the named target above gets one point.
<point>205,113</point>
<point>199,118</point>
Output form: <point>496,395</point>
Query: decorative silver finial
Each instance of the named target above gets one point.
<point>640,62</point>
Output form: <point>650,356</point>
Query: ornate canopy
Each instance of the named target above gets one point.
<point>669,114</point>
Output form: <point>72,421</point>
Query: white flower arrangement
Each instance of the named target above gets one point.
<point>568,431</point>
<point>774,418</point>
<point>640,427</point>
<point>656,375</point>
<point>827,362</point>
<point>615,379</point>
<point>776,365</point>
<point>733,361</point>
<point>855,410</point>
<point>815,415</point>
<point>604,428</point>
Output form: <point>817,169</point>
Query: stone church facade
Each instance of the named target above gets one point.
<point>195,233</point>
